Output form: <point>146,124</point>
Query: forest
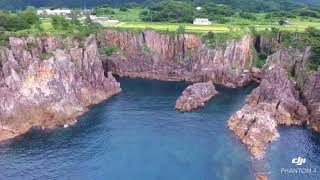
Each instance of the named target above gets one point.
<point>247,5</point>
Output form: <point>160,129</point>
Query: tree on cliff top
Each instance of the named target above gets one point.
<point>313,35</point>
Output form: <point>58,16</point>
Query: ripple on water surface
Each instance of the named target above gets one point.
<point>138,135</point>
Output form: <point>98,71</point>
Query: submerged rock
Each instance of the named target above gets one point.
<point>47,83</point>
<point>195,96</point>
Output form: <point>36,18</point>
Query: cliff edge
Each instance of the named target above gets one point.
<point>47,82</point>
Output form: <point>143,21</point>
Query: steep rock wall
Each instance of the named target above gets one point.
<point>153,55</point>
<point>311,96</point>
<point>48,82</point>
<point>277,101</point>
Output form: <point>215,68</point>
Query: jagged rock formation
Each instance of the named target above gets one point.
<point>311,95</point>
<point>268,45</point>
<point>276,101</point>
<point>152,55</point>
<point>49,93</point>
<point>195,96</point>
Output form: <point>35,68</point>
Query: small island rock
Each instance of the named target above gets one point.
<point>195,96</point>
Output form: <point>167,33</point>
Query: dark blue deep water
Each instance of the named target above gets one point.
<point>138,135</point>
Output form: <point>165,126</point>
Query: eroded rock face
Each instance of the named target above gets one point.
<point>195,96</point>
<point>268,45</point>
<point>152,55</point>
<point>276,101</point>
<point>311,94</point>
<point>49,93</point>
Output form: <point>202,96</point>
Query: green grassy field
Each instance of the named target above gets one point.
<point>131,20</point>
<point>295,25</point>
<point>131,15</point>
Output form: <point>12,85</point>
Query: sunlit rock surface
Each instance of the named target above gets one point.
<point>152,55</point>
<point>48,82</point>
<point>195,96</point>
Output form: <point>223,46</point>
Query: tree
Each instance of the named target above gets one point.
<point>123,8</point>
<point>181,29</point>
<point>12,22</point>
<point>313,35</point>
<point>60,23</point>
<point>212,9</point>
<point>169,11</point>
<point>282,22</point>
<point>29,15</point>
<point>246,15</point>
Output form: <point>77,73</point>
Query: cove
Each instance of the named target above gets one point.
<point>138,135</point>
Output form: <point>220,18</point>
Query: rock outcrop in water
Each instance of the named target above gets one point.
<point>195,96</point>
<point>47,83</point>
<point>276,101</point>
<point>152,55</point>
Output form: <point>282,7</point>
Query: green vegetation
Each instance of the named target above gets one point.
<point>218,40</point>
<point>313,39</point>
<point>27,23</point>
<point>168,15</point>
<point>18,21</point>
<point>31,46</point>
<point>248,5</point>
<point>45,56</point>
<point>300,40</point>
<point>110,50</point>
<point>297,24</point>
<point>129,15</point>
<point>181,29</point>
<point>259,59</point>
<point>147,50</point>
<point>169,11</point>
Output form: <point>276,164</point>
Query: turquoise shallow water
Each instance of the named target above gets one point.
<point>138,135</point>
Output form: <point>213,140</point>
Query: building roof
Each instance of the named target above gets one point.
<point>201,19</point>
<point>54,11</point>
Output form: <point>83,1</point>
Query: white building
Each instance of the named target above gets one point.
<point>101,20</point>
<point>201,21</point>
<point>198,8</point>
<point>54,12</point>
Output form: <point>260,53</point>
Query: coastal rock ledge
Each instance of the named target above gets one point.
<point>48,82</point>
<point>277,101</point>
<point>195,96</point>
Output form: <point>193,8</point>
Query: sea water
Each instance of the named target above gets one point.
<point>138,135</point>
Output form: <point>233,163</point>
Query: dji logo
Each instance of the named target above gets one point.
<point>298,161</point>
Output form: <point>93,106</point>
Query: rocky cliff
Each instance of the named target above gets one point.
<point>277,101</point>
<point>152,55</point>
<point>287,95</point>
<point>311,97</point>
<point>48,82</point>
